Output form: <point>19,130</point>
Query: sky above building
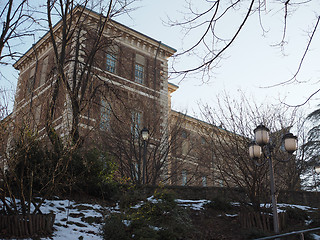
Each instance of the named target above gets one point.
<point>251,64</point>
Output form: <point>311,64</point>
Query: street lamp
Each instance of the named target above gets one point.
<point>316,169</point>
<point>145,137</point>
<point>262,145</point>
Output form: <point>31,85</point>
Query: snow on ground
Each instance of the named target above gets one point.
<point>83,221</point>
<point>315,236</point>
<point>74,220</point>
<point>282,206</point>
<point>193,204</point>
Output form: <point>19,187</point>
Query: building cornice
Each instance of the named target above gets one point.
<point>172,87</point>
<point>113,28</point>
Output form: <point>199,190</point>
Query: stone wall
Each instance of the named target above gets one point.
<point>238,195</point>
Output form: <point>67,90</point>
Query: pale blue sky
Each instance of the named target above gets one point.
<point>250,63</point>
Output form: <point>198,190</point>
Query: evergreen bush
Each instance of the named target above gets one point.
<point>158,217</point>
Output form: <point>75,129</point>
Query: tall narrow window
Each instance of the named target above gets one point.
<point>185,143</point>
<point>204,181</point>
<point>184,177</point>
<point>44,68</point>
<point>105,115</point>
<point>139,69</point>
<point>135,123</point>
<point>111,62</point>
<point>184,134</point>
<point>30,82</point>
<point>37,115</point>
<point>185,147</point>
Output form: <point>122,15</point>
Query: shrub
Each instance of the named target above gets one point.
<point>296,213</point>
<point>160,218</point>
<point>255,233</point>
<point>130,197</point>
<point>92,171</point>
<point>219,204</point>
<point>114,228</point>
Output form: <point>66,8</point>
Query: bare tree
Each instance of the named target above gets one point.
<point>230,141</point>
<point>73,79</point>
<point>216,25</point>
<point>80,82</point>
<point>15,21</point>
<point>121,136</point>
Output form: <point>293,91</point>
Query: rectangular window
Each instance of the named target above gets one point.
<point>30,82</point>
<point>184,134</point>
<point>139,72</point>
<point>184,177</point>
<point>37,115</point>
<point>185,147</point>
<point>105,115</point>
<point>111,63</point>
<point>135,123</point>
<point>44,68</point>
<point>204,181</point>
<point>30,85</point>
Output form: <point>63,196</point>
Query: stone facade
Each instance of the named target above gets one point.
<point>128,90</point>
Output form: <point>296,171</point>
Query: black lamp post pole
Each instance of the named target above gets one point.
<point>145,137</point>
<point>262,146</point>
<point>273,193</point>
<point>144,167</point>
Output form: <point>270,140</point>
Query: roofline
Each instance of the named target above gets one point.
<point>173,84</point>
<point>201,121</point>
<point>172,87</point>
<point>92,11</point>
<point>165,45</point>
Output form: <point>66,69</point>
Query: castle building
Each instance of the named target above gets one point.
<point>98,84</point>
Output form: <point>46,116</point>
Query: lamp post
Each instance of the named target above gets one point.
<point>262,145</point>
<point>316,169</point>
<point>145,137</point>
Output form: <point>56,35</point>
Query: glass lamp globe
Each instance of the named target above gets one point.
<point>261,134</point>
<point>254,151</point>
<point>290,142</point>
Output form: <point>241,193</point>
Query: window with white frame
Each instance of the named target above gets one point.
<point>111,58</point>
<point>44,69</point>
<point>204,181</point>
<point>105,115</point>
<point>184,177</point>
<point>136,118</point>
<point>139,70</point>
<point>111,62</point>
